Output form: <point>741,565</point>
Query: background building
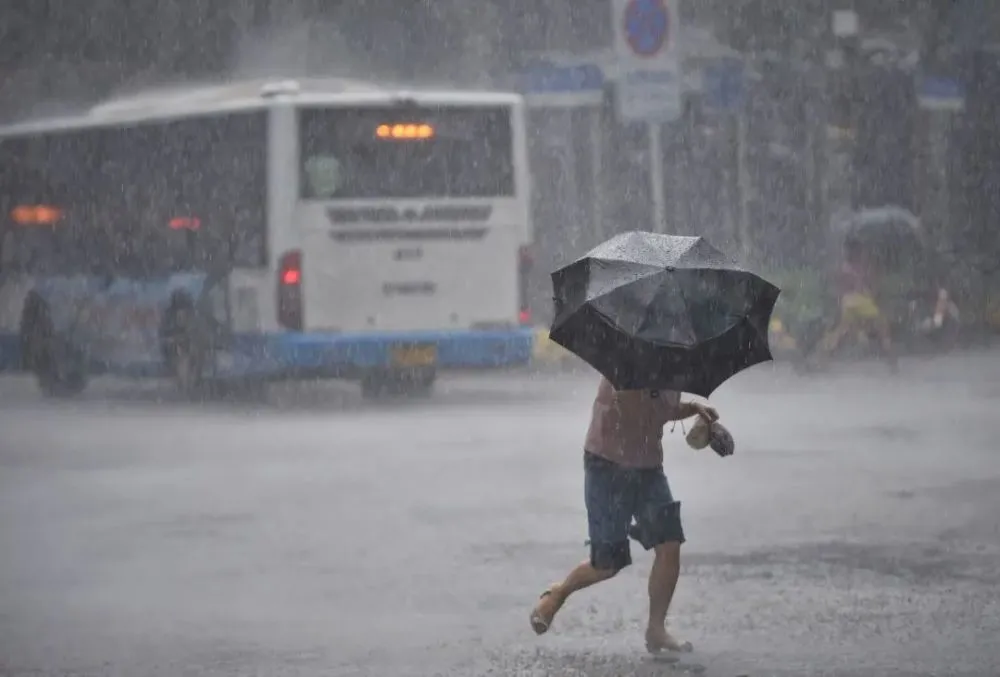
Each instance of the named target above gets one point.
<point>825,121</point>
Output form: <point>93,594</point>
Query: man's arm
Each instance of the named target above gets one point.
<point>685,410</point>
<point>668,402</point>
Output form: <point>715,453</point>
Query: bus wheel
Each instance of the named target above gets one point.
<point>379,384</point>
<point>64,378</point>
<point>418,384</point>
<point>373,386</point>
<point>249,390</point>
<point>183,352</point>
<point>58,368</point>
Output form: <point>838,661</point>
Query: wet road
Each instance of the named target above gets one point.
<point>855,532</point>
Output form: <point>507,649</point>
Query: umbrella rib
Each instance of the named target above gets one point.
<point>672,344</point>
<point>648,271</point>
<point>687,308</point>
<point>608,322</point>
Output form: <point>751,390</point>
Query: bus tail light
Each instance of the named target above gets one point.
<point>290,291</point>
<point>524,265</point>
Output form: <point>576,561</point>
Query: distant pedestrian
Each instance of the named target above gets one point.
<point>624,479</point>
<point>859,312</point>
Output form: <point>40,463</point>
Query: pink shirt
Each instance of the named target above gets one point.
<point>853,279</point>
<point>626,426</point>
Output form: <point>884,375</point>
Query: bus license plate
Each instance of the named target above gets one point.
<point>414,356</point>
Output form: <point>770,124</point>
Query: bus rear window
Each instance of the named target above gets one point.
<point>406,152</point>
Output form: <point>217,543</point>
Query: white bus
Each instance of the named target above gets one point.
<point>247,232</point>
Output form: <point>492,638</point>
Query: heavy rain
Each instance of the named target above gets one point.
<point>337,337</point>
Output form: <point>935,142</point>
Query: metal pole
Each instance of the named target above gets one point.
<point>742,186</point>
<point>596,174</point>
<point>571,177</point>
<point>728,185</point>
<point>678,179</point>
<point>656,177</point>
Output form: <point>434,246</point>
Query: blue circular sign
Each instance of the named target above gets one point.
<point>647,26</point>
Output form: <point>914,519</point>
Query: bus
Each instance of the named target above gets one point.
<point>246,232</point>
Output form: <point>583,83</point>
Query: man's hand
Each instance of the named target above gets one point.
<point>705,411</point>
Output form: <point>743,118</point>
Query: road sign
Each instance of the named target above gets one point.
<point>944,94</point>
<point>549,84</point>
<point>845,23</point>
<point>723,84</point>
<point>649,82</point>
<point>647,26</point>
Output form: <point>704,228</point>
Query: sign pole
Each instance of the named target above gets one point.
<point>649,83</point>
<point>597,174</point>
<point>743,187</point>
<point>656,177</point>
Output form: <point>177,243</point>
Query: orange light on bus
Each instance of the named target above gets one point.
<point>404,131</point>
<point>185,223</point>
<point>35,215</point>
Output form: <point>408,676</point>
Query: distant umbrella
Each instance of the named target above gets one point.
<point>890,235</point>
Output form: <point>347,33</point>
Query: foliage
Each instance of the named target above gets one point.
<point>804,295</point>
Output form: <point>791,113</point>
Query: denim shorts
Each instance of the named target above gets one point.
<point>614,495</point>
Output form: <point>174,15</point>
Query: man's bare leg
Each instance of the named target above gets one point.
<point>828,343</point>
<point>582,576</point>
<point>662,583</point>
<point>885,342</point>
<point>833,338</point>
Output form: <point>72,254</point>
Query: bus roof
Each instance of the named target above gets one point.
<point>206,99</point>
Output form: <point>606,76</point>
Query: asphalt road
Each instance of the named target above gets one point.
<point>855,531</point>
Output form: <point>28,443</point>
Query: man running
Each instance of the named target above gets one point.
<point>858,309</point>
<point>624,479</point>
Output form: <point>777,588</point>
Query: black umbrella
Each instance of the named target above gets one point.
<point>662,311</point>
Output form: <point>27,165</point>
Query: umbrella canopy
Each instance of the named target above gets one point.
<point>892,235</point>
<point>662,311</point>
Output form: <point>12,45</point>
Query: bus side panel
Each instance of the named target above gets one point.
<point>116,323</point>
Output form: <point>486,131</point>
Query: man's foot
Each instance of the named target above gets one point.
<point>545,611</point>
<point>658,639</point>
<point>814,362</point>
